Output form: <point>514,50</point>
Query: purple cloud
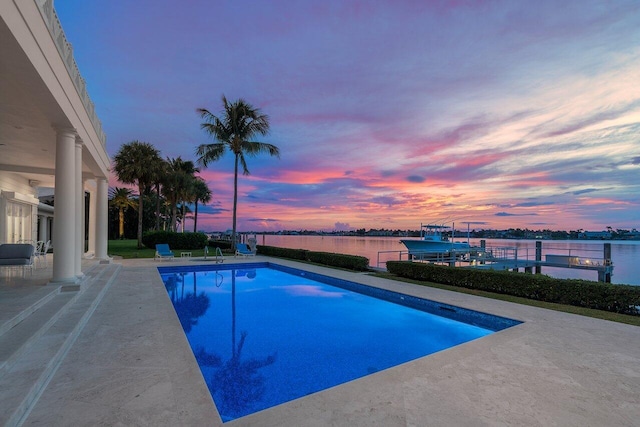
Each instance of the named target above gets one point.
<point>385,110</point>
<point>342,226</point>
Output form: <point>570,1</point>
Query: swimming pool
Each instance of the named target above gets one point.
<point>264,334</point>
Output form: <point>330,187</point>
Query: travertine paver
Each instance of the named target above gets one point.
<point>132,366</point>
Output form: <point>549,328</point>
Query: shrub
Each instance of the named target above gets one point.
<point>299,254</point>
<point>176,241</point>
<point>582,293</point>
<point>351,262</point>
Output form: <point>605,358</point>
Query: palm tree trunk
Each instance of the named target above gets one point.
<point>195,218</point>
<point>235,204</point>
<point>121,223</point>
<point>140,213</point>
<point>157,206</point>
<point>184,219</point>
<point>174,217</point>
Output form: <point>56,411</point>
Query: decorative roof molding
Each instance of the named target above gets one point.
<point>66,52</point>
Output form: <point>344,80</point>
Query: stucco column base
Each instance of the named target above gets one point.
<point>65,281</point>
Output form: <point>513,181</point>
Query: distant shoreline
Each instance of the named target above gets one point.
<point>484,234</point>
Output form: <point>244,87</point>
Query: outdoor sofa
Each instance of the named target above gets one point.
<point>17,255</point>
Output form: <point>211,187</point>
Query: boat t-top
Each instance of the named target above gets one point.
<point>433,241</point>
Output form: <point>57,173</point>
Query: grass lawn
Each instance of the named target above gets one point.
<point>598,314</point>
<point>129,249</point>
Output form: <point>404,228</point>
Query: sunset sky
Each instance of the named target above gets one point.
<point>386,113</point>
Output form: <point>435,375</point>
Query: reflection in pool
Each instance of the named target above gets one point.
<point>263,336</point>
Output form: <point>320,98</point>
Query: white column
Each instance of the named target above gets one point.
<point>102,220</point>
<point>64,225</point>
<point>79,205</point>
<point>92,221</point>
<point>43,222</point>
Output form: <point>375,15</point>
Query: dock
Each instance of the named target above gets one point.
<point>509,258</point>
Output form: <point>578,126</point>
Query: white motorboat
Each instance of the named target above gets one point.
<point>433,242</point>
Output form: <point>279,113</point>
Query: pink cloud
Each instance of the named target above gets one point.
<point>385,112</point>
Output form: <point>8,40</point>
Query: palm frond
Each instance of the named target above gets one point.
<point>208,153</point>
<point>202,191</point>
<point>254,148</point>
<point>121,197</point>
<point>243,163</point>
<point>134,162</point>
<point>206,114</point>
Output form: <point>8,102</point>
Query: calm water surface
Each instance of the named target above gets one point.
<point>625,254</point>
<point>263,336</point>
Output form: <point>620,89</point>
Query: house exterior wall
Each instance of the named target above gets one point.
<point>49,133</point>
<point>15,190</point>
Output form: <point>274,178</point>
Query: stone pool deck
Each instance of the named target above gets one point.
<point>129,364</point>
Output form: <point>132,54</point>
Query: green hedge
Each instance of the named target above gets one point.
<point>299,254</point>
<point>582,293</point>
<point>175,241</point>
<point>351,262</point>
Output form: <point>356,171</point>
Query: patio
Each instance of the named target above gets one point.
<point>130,364</point>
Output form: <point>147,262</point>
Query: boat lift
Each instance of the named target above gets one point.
<point>511,258</point>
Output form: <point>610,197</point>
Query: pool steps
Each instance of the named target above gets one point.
<point>34,343</point>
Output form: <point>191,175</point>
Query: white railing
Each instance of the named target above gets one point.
<point>66,52</point>
<point>390,255</point>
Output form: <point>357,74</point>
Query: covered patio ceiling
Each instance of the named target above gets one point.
<point>30,111</point>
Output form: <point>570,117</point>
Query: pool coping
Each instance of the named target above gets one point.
<point>132,365</point>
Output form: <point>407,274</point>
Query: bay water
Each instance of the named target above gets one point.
<point>625,254</point>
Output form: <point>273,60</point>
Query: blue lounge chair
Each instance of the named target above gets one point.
<point>163,251</point>
<point>17,255</point>
<point>243,249</point>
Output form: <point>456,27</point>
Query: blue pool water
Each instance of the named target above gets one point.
<point>264,334</point>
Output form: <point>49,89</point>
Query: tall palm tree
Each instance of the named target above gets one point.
<point>183,214</point>
<point>202,194</point>
<point>188,196</point>
<point>177,186</point>
<point>121,199</point>
<point>134,163</point>
<point>159,175</point>
<point>238,123</point>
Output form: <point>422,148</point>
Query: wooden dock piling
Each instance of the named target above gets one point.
<point>605,275</point>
